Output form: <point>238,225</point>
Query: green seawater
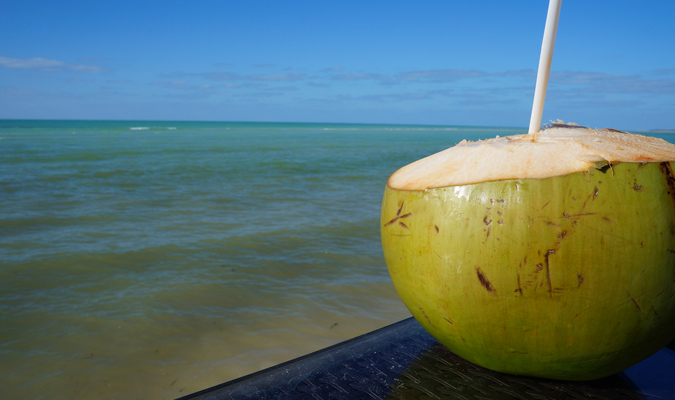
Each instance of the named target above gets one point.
<point>154,259</point>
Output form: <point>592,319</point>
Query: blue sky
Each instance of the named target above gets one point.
<point>423,62</point>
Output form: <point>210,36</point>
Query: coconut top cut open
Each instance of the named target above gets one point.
<point>559,150</point>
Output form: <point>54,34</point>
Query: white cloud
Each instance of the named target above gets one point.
<point>46,64</point>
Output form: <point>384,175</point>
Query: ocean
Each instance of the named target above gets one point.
<point>155,259</point>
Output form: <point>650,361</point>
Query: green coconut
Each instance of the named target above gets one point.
<point>549,255</point>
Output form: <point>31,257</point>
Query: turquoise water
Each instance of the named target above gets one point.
<point>155,259</point>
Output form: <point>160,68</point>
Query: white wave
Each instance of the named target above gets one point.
<point>139,128</point>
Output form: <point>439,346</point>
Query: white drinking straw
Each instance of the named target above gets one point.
<point>544,64</point>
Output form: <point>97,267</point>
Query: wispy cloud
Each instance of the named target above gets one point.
<point>283,88</point>
<point>523,73</point>
<point>390,97</point>
<point>232,76</point>
<point>599,82</point>
<point>275,77</point>
<point>465,87</point>
<point>46,64</point>
<point>380,98</point>
<point>340,74</point>
<point>358,76</point>
<point>439,75</point>
<point>183,85</point>
<point>428,75</point>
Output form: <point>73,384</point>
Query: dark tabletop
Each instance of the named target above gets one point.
<point>402,361</point>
